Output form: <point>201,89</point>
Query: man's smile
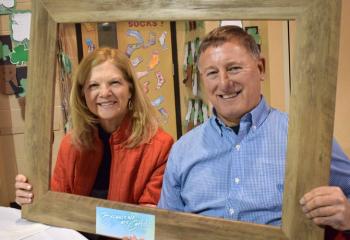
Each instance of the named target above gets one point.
<point>229,96</point>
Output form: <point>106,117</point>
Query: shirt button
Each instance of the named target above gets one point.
<point>232,211</point>
<point>238,147</point>
<point>237,180</point>
<point>254,127</point>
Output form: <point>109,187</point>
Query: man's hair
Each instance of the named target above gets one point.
<point>143,116</point>
<point>221,35</point>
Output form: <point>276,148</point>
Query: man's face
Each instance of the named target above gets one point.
<point>231,77</point>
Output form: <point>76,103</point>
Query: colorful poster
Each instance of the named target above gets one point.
<point>148,45</point>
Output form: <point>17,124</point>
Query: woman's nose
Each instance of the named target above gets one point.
<point>104,91</point>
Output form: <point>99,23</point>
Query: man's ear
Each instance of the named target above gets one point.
<point>261,66</point>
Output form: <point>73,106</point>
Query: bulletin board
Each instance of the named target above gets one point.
<point>148,45</point>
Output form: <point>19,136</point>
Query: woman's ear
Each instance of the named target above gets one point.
<point>130,104</point>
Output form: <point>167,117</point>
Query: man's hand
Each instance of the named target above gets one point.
<point>327,206</point>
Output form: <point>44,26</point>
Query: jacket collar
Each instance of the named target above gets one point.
<point>123,132</point>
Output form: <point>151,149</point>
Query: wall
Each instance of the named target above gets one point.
<point>278,62</point>
<point>342,110</point>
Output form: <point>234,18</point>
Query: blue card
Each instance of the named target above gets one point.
<point>119,223</point>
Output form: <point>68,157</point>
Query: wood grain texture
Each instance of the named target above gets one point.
<point>109,10</point>
<point>78,212</point>
<point>40,100</point>
<point>311,120</point>
<point>311,113</point>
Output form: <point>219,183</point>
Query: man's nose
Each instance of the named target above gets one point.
<point>224,80</point>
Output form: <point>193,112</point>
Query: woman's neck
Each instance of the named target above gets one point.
<point>110,126</point>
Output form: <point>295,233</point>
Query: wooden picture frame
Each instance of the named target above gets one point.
<point>312,105</point>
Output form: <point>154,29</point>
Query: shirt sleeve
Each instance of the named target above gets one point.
<point>340,169</point>
<point>170,197</point>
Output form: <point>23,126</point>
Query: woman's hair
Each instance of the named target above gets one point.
<point>221,35</point>
<point>143,116</point>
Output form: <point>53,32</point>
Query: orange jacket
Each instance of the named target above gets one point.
<point>136,174</point>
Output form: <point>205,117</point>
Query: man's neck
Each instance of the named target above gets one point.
<point>229,122</point>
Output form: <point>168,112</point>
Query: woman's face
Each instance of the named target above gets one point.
<point>107,94</point>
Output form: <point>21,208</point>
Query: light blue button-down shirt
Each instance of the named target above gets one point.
<point>215,172</point>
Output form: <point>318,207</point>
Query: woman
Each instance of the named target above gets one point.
<point>116,149</point>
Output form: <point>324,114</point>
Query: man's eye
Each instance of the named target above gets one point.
<point>234,68</point>
<point>211,73</point>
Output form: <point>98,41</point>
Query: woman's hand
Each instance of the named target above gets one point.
<point>24,194</point>
<point>149,205</point>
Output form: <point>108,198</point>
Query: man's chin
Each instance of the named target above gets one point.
<point>229,118</point>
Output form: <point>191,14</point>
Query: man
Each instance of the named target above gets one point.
<point>232,166</point>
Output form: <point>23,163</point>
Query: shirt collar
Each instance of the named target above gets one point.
<point>260,112</point>
<point>256,116</point>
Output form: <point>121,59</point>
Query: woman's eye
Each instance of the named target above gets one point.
<point>92,86</point>
<point>115,82</point>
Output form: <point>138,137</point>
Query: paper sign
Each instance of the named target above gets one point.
<point>119,224</point>
<point>20,24</point>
